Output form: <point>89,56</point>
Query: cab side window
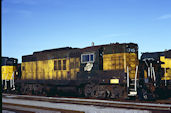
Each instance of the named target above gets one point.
<point>89,57</point>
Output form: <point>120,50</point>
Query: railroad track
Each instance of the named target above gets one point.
<point>33,109</point>
<point>93,102</point>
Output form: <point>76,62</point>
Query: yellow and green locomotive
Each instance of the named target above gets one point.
<point>95,71</point>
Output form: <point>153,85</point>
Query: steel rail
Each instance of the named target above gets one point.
<point>104,103</point>
<point>6,106</point>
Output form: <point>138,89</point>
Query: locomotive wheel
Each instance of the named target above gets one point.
<point>100,91</point>
<point>145,94</point>
<point>44,92</point>
<point>94,92</point>
<point>117,92</point>
<point>88,90</point>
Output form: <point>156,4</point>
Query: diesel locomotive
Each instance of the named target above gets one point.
<point>103,71</point>
<point>155,75</point>
<point>8,72</point>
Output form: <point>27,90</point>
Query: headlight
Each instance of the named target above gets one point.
<point>114,81</point>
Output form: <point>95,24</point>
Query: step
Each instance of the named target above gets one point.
<point>132,93</point>
<point>131,89</point>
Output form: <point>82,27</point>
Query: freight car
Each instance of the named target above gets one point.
<point>97,71</point>
<point>8,72</point>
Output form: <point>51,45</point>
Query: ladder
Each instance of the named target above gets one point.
<point>132,83</point>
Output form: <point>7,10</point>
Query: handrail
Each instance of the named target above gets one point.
<point>136,78</point>
<point>127,76</point>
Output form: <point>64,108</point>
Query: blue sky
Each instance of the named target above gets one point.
<point>35,25</point>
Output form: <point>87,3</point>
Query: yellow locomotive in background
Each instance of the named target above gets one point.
<point>8,72</point>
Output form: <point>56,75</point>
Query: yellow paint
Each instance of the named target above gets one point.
<point>46,69</point>
<point>121,61</point>
<point>7,72</point>
<point>167,65</point>
<point>114,81</point>
<point>145,74</point>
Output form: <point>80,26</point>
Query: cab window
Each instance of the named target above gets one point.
<point>85,58</point>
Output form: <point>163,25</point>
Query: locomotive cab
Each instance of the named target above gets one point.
<point>111,67</point>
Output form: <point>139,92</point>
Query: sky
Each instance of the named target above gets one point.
<point>36,25</point>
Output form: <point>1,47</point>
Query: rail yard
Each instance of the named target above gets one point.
<point>66,104</point>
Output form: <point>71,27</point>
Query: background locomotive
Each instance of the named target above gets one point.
<point>105,71</point>
<point>155,75</point>
<point>8,71</point>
